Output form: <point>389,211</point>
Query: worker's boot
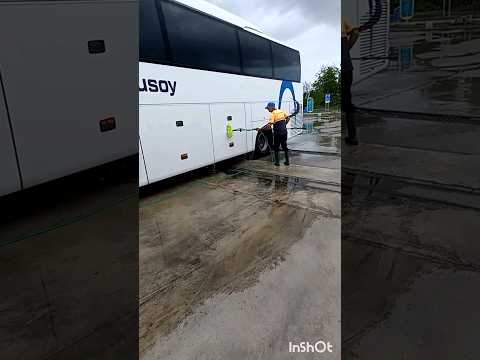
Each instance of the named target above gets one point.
<point>277,161</point>
<point>287,162</point>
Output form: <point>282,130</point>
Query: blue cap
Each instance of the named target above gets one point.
<point>270,105</point>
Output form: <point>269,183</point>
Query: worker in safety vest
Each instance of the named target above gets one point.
<point>349,38</point>
<point>278,121</point>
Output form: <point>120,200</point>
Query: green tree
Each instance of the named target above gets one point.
<point>327,81</point>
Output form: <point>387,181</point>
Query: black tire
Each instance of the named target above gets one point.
<point>262,147</point>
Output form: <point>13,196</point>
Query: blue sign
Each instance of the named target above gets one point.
<point>406,57</point>
<point>395,16</point>
<point>406,9</point>
<point>327,98</point>
<point>310,105</point>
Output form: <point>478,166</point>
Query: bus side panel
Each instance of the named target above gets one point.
<point>59,87</point>
<point>10,181</point>
<point>251,135</point>
<point>142,173</point>
<point>226,148</point>
<point>175,139</point>
<point>259,114</point>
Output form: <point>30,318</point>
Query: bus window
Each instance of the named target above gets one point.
<point>256,55</point>
<point>152,47</point>
<point>286,63</point>
<point>201,42</point>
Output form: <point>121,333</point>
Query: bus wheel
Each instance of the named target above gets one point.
<point>261,145</point>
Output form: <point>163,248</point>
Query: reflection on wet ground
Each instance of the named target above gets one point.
<point>411,204</point>
<point>322,136</point>
<point>431,71</point>
<point>407,245</point>
<point>316,143</point>
<point>399,131</point>
<point>311,159</point>
<point>251,247</point>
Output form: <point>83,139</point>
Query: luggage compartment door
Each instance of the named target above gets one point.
<point>175,139</point>
<point>70,70</point>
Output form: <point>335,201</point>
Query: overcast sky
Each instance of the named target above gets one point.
<point>311,26</point>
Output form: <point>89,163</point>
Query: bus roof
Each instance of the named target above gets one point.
<point>222,14</point>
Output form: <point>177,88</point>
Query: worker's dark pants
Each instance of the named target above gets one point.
<point>347,106</point>
<point>280,140</point>
<point>269,135</point>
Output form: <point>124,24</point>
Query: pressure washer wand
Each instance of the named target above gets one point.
<point>242,129</point>
<point>256,129</point>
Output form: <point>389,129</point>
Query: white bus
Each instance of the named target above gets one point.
<point>370,53</point>
<point>199,67</point>
<point>68,96</point>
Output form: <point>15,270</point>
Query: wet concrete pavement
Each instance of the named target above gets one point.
<point>321,137</point>
<point>316,143</point>
<point>410,270</point>
<point>441,76</point>
<point>236,264</point>
<point>68,262</point>
<point>410,211</point>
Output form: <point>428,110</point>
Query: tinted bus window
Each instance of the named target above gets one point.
<point>256,55</point>
<point>286,63</point>
<point>199,41</point>
<point>152,46</point>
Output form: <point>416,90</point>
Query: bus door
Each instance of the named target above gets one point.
<point>224,146</point>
